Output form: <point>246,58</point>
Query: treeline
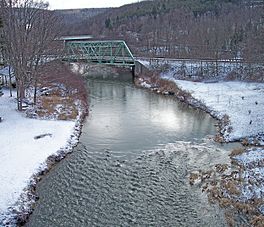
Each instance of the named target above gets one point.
<point>214,29</point>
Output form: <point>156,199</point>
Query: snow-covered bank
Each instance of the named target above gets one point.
<point>239,187</point>
<point>252,162</point>
<point>24,151</point>
<point>205,70</point>
<point>242,102</point>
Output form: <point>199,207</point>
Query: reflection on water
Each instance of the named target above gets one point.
<point>125,118</point>
<point>131,165</point>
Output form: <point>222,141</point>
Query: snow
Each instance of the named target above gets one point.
<point>144,62</point>
<point>252,157</point>
<point>21,155</point>
<point>190,69</point>
<point>145,85</point>
<point>242,102</point>
<point>5,71</point>
<point>253,174</point>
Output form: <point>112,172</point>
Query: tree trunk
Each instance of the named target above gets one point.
<point>35,91</point>
<point>10,81</point>
<point>21,95</point>
<point>17,90</point>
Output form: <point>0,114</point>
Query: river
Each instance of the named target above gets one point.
<point>132,163</point>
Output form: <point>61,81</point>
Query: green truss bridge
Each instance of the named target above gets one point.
<point>110,52</point>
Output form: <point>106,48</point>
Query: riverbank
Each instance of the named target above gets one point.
<point>131,165</point>
<point>237,105</point>
<point>238,187</point>
<point>30,147</point>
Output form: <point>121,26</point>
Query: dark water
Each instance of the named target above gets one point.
<point>131,165</point>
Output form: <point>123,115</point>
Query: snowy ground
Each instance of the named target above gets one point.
<point>253,164</point>
<point>22,155</point>
<point>242,102</point>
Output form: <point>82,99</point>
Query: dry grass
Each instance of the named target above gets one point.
<point>220,168</point>
<point>231,187</point>
<point>193,178</point>
<point>225,189</point>
<point>225,120</point>
<point>257,221</point>
<point>164,86</point>
<point>48,106</point>
<point>64,89</point>
<point>230,219</point>
<point>245,142</point>
<point>219,138</point>
<point>223,185</point>
<point>237,151</point>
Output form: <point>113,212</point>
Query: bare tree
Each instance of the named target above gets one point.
<point>1,41</point>
<point>29,30</point>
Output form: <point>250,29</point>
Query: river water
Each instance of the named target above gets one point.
<point>132,163</point>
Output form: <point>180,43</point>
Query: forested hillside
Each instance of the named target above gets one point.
<point>72,18</point>
<point>184,28</point>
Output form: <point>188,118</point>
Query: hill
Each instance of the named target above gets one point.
<point>183,28</point>
<point>73,18</point>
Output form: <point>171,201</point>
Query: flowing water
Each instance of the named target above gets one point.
<point>132,163</point>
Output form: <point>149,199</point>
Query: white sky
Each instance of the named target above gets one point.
<point>70,4</point>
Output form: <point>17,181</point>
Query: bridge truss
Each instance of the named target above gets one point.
<point>103,52</point>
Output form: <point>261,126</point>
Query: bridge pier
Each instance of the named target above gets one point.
<point>140,69</point>
<point>133,72</point>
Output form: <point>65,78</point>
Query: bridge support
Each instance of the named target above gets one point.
<point>133,72</point>
<point>140,69</point>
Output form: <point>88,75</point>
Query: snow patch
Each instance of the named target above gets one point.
<point>242,102</point>
<point>253,174</point>
<point>21,155</point>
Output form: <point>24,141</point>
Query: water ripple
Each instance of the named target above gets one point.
<point>131,166</point>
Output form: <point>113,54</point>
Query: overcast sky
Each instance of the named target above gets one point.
<point>73,4</point>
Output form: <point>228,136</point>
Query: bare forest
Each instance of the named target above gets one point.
<point>29,30</point>
<point>190,29</point>
<point>210,29</point>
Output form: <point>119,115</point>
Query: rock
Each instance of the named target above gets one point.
<point>42,136</point>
